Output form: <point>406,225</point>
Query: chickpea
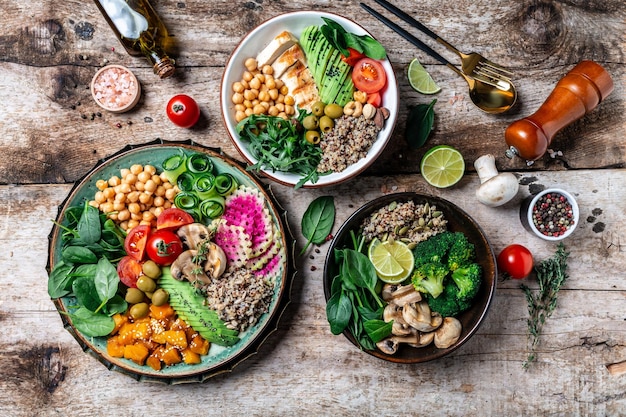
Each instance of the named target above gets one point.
<point>94,203</point>
<point>273,93</point>
<point>150,169</point>
<point>273,111</point>
<point>247,76</point>
<point>106,207</point>
<point>157,179</point>
<point>101,184</point>
<point>145,198</point>
<point>136,169</point>
<point>264,96</point>
<point>120,198</point>
<point>250,64</point>
<point>158,201</point>
<point>160,191</point>
<point>250,95</point>
<point>270,82</point>
<point>114,180</point>
<point>284,90</point>
<point>255,83</point>
<point>124,172</point>
<point>130,178</point>
<point>118,206</point>
<point>131,224</point>
<point>144,176</point>
<point>267,69</point>
<point>258,109</point>
<point>238,87</point>
<point>123,215</point>
<point>289,100</point>
<point>99,197</point>
<point>237,98</point>
<point>134,208</point>
<point>240,115</point>
<point>150,186</point>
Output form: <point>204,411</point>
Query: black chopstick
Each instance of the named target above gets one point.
<point>408,18</point>
<point>406,35</point>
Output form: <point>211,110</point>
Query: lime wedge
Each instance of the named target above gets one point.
<point>393,260</point>
<point>420,79</point>
<point>442,166</point>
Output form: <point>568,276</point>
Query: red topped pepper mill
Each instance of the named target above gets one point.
<point>575,95</point>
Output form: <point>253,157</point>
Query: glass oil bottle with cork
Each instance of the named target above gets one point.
<point>140,30</point>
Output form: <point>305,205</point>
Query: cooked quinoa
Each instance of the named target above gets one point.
<point>239,297</point>
<point>405,221</point>
<point>347,143</point>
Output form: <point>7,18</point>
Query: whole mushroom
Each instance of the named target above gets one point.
<point>495,189</point>
<point>448,333</point>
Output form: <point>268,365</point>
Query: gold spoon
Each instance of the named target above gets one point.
<point>490,98</point>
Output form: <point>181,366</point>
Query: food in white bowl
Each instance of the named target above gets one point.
<point>291,56</point>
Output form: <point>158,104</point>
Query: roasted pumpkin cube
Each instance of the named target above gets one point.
<point>190,357</point>
<point>162,312</point>
<point>137,352</point>
<point>171,356</point>
<point>154,362</point>
<point>199,345</point>
<point>119,320</point>
<point>176,338</point>
<point>114,348</point>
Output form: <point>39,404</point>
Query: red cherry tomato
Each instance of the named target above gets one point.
<point>173,218</point>
<point>183,111</point>
<point>375,99</point>
<point>353,58</point>
<point>369,75</point>
<point>129,270</point>
<point>516,261</point>
<point>135,242</point>
<point>163,247</point>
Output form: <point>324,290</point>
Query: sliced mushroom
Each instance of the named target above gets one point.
<point>216,261</point>
<point>388,346</point>
<point>418,316</point>
<point>185,268</point>
<point>400,294</point>
<point>425,339</point>
<point>448,333</point>
<point>193,234</point>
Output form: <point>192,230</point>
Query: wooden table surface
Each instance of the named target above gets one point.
<point>53,133</point>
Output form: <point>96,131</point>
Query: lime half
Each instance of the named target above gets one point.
<point>420,79</point>
<point>442,166</point>
<point>393,260</point>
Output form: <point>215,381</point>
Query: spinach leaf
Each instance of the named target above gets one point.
<point>341,39</point>
<point>339,312</point>
<point>318,220</point>
<point>88,227</point>
<point>116,305</point>
<point>106,280</point>
<point>361,271</point>
<point>84,289</point>
<point>92,324</point>
<point>419,124</point>
<point>58,282</point>
<point>78,255</point>
<point>377,330</point>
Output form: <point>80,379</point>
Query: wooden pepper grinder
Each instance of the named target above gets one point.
<point>575,95</point>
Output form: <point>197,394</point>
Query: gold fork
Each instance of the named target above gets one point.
<point>472,64</point>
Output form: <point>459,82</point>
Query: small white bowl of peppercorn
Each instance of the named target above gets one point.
<point>551,214</point>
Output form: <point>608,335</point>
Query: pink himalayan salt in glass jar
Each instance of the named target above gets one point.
<point>115,88</point>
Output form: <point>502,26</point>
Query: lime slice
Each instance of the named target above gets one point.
<point>393,260</point>
<point>442,166</point>
<point>420,79</point>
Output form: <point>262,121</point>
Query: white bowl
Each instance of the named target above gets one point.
<point>526,214</point>
<point>253,43</point>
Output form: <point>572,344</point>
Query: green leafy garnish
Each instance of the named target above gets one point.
<point>318,220</point>
<point>419,124</point>
<point>338,37</point>
<point>551,276</point>
<point>277,145</point>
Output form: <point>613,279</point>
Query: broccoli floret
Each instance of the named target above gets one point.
<point>461,252</point>
<point>448,303</point>
<point>468,279</point>
<point>433,249</point>
<point>428,278</point>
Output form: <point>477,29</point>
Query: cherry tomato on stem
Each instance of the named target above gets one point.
<point>129,270</point>
<point>183,110</point>
<point>516,261</point>
<point>369,75</point>
<point>163,247</point>
<point>173,218</point>
<point>135,241</point>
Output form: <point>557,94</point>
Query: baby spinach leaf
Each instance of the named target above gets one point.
<point>58,282</point>
<point>78,255</point>
<point>318,220</point>
<point>88,227</point>
<point>338,312</point>
<point>84,290</point>
<point>361,271</point>
<point>419,124</point>
<point>106,280</point>
<point>92,324</point>
<point>341,39</point>
<point>377,330</point>
<point>115,305</point>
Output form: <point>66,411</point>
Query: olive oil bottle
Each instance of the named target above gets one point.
<point>140,30</point>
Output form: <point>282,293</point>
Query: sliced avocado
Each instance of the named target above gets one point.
<point>339,72</point>
<point>317,53</point>
<point>307,37</point>
<point>346,92</point>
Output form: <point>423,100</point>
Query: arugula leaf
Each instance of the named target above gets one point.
<point>419,124</point>
<point>318,221</point>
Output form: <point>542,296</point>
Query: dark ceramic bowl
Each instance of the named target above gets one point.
<point>458,220</point>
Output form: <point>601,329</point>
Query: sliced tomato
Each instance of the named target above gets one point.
<point>353,58</point>
<point>129,270</point>
<point>135,242</point>
<point>375,99</point>
<point>173,218</point>
<point>163,247</point>
<point>369,75</point>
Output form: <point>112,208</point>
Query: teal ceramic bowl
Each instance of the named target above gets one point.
<point>220,359</point>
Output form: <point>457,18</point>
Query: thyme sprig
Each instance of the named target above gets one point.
<point>551,276</point>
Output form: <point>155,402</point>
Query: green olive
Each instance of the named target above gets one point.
<point>318,108</point>
<point>312,136</point>
<point>160,297</point>
<point>139,311</point>
<point>134,296</point>
<point>334,111</point>
<point>151,269</point>
<point>326,124</point>
<point>146,284</point>
<point>311,122</point>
